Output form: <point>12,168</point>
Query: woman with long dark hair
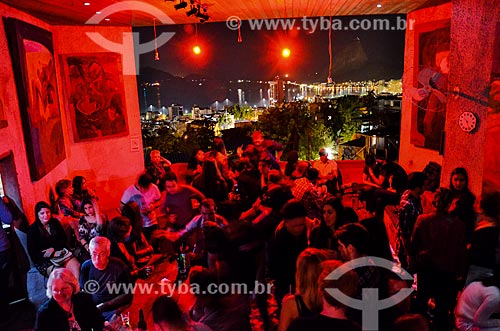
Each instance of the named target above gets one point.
<point>463,200</point>
<point>211,182</point>
<point>195,164</point>
<point>332,218</point>
<point>92,223</point>
<point>47,242</point>
<point>136,243</point>
<point>81,191</point>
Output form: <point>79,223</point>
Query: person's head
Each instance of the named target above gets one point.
<point>144,182</point>
<point>155,156</point>
<point>312,174</point>
<point>411,322</point>
<point>63,187</point>
<point>88,207</point>
<point>416,181</point>
<point>490,204</point>
<point>353,240</point>
<point>252,153</point>
<point>459,180</point>
<point>207,209</point>
<point>79,184</point>
<point>332,211</point>
<point>264,165</point>
<point>490,279</point>
<point>167,315</point>
<point>171,183</point>
<point>294,214</point>
<point>301,168</point>
<point>132,211</point>
<point>307,274</point>
<point>257,138</point>
<point>100,248</point>
<point>274,176</point>
<point>442,199</point>
<point>370,160</point>
<point>210,171</point>
<point>119,229</point>
<point>199,155</point>
<point>323,155</point>
<point>348,283</point>
<point>61,285</point>
<point>292,156</point>
<point>42,212</point>
<point>218,146</point>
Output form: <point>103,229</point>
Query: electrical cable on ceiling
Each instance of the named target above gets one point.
<point>157,55</point>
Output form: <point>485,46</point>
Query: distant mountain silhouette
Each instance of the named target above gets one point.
<point>351,63</point>
<point>188,91</point>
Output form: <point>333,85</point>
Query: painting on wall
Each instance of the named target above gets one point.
<point>491,175</point>
<point>95,95</point>
<point>32,55</point>
<point>430,85</point>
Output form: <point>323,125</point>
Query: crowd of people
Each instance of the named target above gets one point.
<point>244,219</point>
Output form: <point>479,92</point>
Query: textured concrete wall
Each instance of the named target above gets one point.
<point>472,38</point>
<point>108,164</point>
<point>472,42</point>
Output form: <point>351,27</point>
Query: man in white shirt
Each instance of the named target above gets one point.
<point>328,171</point>
<point>147,195</point>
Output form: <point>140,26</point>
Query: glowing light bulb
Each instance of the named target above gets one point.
<point>196,50</point>
<point>285,52</point>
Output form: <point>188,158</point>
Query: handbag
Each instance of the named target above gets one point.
<point>60,257</point>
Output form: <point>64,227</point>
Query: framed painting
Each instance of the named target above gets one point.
<point>32,55</point>
<point>94,94</point>
<point>430,84</point>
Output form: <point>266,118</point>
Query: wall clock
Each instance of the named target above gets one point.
<point>467,121</point>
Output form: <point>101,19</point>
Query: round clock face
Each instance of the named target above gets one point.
<point>467,121</point>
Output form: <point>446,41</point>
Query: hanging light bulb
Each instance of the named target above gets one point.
<point>197,50</point>
<point>285,52</point>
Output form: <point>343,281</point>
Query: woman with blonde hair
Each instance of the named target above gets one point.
<point>67,309</point>
<point>307,299</point>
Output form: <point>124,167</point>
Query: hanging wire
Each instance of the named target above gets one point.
<point>157,55</point>
<point>330,50</point>
<point>239,32</point>
<point>330,53</point>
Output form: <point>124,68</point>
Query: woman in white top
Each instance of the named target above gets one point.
<point>478,302</point>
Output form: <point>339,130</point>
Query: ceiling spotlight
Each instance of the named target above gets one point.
<point>180,5</point>
<point>192,11</point>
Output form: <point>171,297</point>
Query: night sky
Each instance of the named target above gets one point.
<point>357,55</point>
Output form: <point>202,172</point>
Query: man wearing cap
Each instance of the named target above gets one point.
<point>328,171</point>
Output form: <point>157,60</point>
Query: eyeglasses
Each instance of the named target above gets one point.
<point>63,289</point>
<point>99,254</point>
